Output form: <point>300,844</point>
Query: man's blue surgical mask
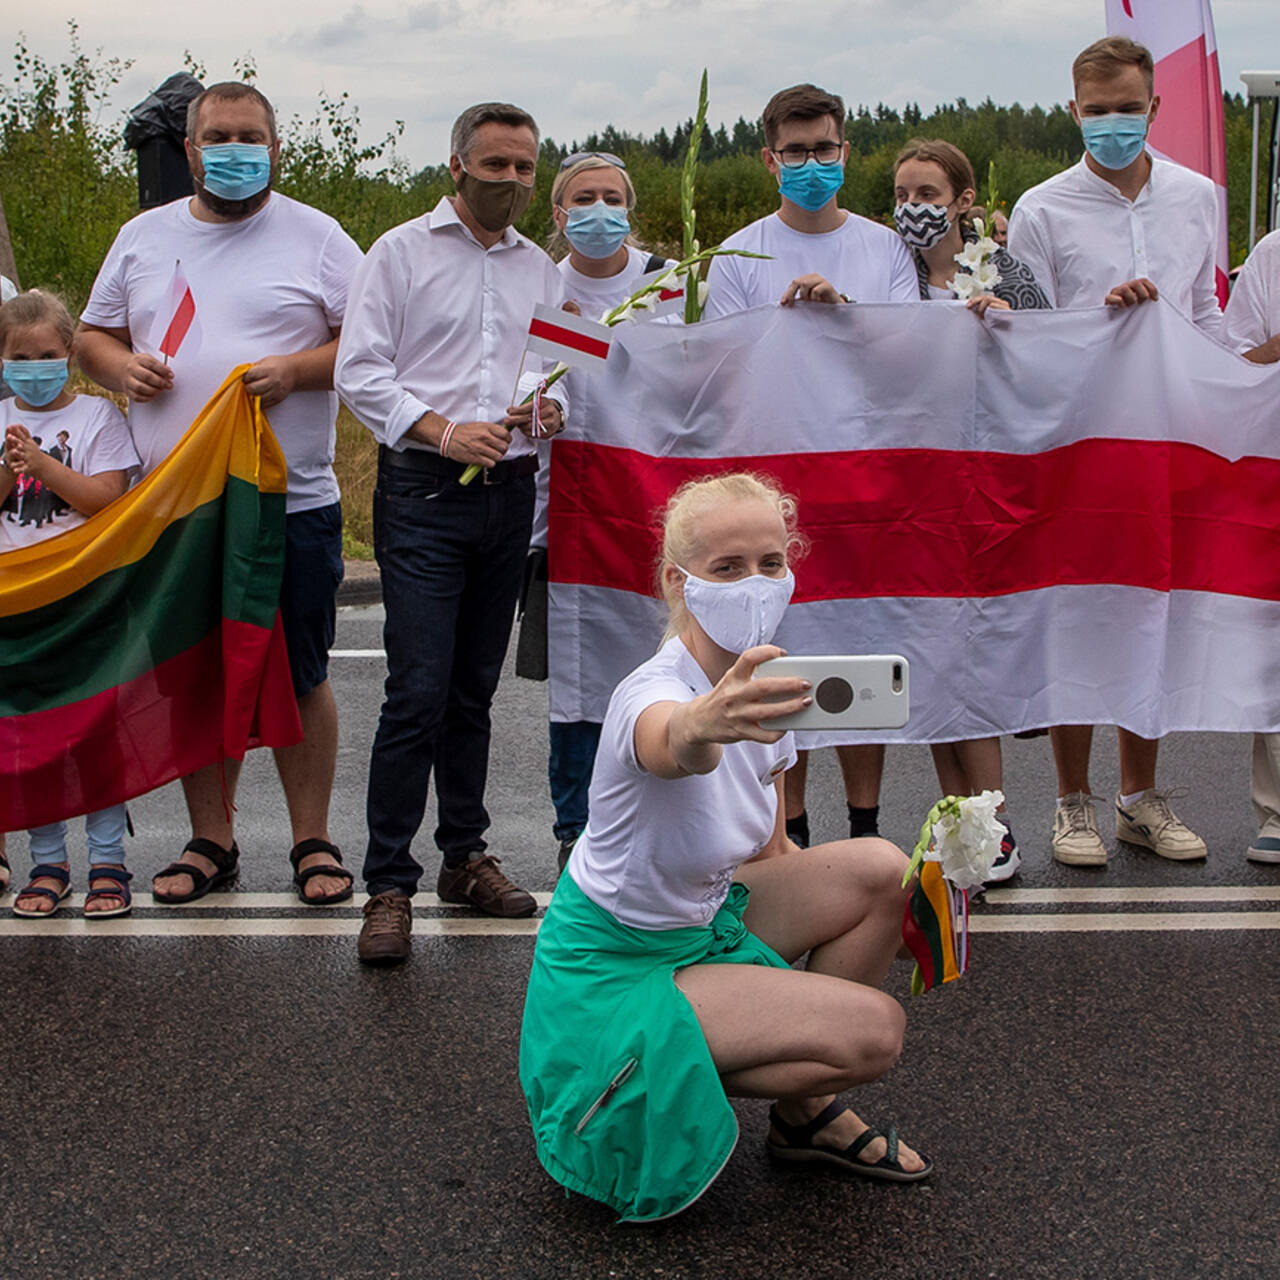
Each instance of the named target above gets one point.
<point>236,170</point>
<point>1115,141</point>
<point>36,382</point>
<point>597,230</point>
<point>811,185</point>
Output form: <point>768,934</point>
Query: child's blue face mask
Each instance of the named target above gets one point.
<point>36,382</point>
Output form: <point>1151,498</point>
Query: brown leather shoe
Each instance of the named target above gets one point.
<point>384,936</point>
<point>480,884</point>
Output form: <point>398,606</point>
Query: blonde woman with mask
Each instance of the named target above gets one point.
<point>662,980</point>
<point>592,206</point>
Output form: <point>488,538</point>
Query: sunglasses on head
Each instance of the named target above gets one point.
<point>569,161</point>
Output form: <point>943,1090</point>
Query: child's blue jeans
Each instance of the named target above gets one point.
<point>105,830</point>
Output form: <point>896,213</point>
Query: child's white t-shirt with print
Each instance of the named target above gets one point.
<point>97,439</point>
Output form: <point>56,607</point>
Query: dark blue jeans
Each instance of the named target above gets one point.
<point>452,560</point>
<point>569,765</point>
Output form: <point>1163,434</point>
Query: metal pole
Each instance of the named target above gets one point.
<point>1253,182</point>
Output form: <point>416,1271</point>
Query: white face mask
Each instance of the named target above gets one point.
<point>738,615</point>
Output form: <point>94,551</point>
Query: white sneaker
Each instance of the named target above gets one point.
<point>1264,849</point>
<point>1150,822</point>
<point>1076,842</point>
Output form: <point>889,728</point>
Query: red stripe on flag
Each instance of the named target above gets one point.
<point>926,522</point>
<point>179,325</point>
<point>665,295</point>
<point>568,338</point>
<point>139,735</point>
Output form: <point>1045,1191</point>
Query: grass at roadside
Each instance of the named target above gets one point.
<point>356,464</point>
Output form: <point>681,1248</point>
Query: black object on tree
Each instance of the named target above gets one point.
<point>156,129</point>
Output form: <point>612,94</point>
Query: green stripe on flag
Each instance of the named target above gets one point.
<point>134,618</point>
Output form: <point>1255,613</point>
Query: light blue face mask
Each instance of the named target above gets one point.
<point>597,230</point>
<point>236,170</point>
<point>1115,141</point>
<point>811,185</point>
<point>36,382</point>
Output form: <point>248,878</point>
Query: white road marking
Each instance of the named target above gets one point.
<point>357,653</point>
<point>317,925</point>
<point>222,900</point>
<point>1146,893</point>
<point>1127,922</point>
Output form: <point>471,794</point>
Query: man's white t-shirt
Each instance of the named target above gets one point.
<point>1253,311</point>
<point>98,438</point>
<point>271,284</point>
<point>865,261</point>
<point>661,854</point>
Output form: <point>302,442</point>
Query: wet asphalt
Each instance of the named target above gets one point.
<point>1097,1103</point>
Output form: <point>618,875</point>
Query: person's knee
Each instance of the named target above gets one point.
<point>879,1036</point>
<point>874,868</point>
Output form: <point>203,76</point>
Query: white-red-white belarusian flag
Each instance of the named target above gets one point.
<point>669,300</point>
<point>1058,517</point>
<point>571,339</point>
<point>1190,125</point>
<point>181,313</point>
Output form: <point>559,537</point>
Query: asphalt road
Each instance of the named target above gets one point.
<point>222,1091</point>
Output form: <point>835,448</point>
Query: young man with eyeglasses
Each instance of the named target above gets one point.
<point>1121,227</point>
<point>818,252</point>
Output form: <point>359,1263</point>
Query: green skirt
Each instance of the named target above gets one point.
<point>626,1103</point>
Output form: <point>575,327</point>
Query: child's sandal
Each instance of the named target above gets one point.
<point>61,874</point>
<point>119,889</point>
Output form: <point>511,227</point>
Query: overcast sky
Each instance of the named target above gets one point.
<point>578,65</point>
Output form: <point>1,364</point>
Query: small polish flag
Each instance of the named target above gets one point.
<point>571,339</point>
<point>182,309</point>
<point>669,300</point>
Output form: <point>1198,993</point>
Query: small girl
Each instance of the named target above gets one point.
<point>87,468</point>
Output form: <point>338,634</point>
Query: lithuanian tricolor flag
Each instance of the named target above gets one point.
<point>146,643</point>
<point>928,929</point>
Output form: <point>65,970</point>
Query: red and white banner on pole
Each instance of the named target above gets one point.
<point>571,339</point>
<point>182,315</point>
<point>1190,125</point>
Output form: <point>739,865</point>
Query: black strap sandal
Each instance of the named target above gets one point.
<point>118,889</point>
<point>39,872</point>
<point>226,860</point>
<point>798,1147</point>
<point>304,849</point>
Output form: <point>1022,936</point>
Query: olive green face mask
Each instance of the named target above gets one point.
<point>495,204</point>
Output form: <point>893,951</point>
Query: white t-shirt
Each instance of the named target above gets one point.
<point>1080,237</point>
<point>1253,311</point>
<point>660,854</point>
<point>271,284</point>
<point>864,260</point>
<point>98,440</point>
<point>595,296</point>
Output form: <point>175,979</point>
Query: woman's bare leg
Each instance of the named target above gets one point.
<point>803,1037</point>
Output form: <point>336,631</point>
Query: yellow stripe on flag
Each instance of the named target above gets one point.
<point>230,436</point>
<point>936,890</point>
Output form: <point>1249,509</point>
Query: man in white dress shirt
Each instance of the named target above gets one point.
<point>1121,228</point>
<point>430,352</point>
<point>1252,327</point>
<point>817,252</point>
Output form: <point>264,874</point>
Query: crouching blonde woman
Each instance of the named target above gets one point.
<point>661,982</point>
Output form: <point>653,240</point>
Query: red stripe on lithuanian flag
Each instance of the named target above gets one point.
<point>146,643</point>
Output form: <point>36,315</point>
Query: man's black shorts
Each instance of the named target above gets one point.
<point>308,595</point>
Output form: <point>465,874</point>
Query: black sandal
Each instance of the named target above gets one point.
<point>226,860</point>
<point>304,849</point>
<point>798,1146</point>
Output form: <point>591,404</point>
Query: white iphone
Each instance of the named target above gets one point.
<point>852,691</point>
